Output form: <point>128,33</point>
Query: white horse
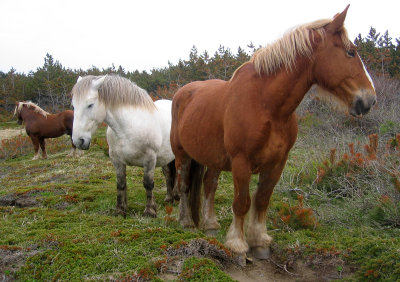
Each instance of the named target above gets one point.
<point>137,134</point>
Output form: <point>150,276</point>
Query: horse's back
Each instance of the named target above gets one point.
<point>164,154</point>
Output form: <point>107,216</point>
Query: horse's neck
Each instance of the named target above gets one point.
<point>290,88</point>
<point>28,114</point>
<point>117,119</point>
<point>124,120</point>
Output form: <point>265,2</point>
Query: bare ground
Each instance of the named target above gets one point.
<point>11,132</point>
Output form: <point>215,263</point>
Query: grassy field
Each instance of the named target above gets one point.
<point>335,214</point>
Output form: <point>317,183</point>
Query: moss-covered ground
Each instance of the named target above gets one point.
<point>57,222</point>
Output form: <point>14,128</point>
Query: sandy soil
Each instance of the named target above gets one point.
<point>9,133</point>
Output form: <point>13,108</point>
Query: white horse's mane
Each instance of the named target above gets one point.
<point>115,91</point>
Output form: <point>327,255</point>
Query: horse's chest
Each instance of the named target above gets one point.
<point>273,152</point>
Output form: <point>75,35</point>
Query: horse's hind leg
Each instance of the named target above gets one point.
<point>122,199</point>
<point>148,183</point>
<point>169,174</point>
<point>210,223</point>
<point>35,142</point>
<point>183,163</point>
<point>43,147</point>
<point>257,236</point>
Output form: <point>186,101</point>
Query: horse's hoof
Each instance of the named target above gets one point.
<point>211,232</point>
<point>120,213</point>
<point>176,196</point>
<point>169,199</point>
<point>150,213</point>
<point>260,252</point>
<point>187,224</point>
<point>240,259</point>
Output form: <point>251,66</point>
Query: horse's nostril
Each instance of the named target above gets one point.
<point>81,141</point>
<point>374,102</point>
<point>359,107</point>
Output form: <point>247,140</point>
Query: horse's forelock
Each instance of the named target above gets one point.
<point>82,86</point>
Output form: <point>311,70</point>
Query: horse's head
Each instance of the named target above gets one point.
<point>17,112</point>
<point>339,71</point>
<point>89,112</point>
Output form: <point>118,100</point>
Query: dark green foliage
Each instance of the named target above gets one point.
<point>202,269</point>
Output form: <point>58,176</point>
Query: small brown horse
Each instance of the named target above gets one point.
<point>40,124</point>
<point>247,125</point>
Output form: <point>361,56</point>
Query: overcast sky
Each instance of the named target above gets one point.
<point>147,34</point>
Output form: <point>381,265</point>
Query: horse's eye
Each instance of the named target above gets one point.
<point>351,53</point>
<point>90,106</point>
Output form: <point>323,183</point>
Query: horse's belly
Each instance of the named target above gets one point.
<point>126,155</point>
<point>133,155</point>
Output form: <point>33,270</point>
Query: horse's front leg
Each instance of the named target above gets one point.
<point>235,239</point>
<point>257,236</point>
<point>35,142</point>
<point>72,152</point>
<point>43,147</point>
<point>122,199</point>
<point>148,183</point>
<point>210,223</point>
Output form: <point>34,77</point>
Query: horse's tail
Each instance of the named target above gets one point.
<point>171,180</point>
<point>196,178</point>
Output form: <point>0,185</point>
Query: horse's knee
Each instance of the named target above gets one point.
<point>148,183</point>
<point>241,205</point>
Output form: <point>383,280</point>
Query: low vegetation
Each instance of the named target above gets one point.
<point>335,214</point>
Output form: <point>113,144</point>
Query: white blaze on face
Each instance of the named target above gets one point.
<point>366,73</point>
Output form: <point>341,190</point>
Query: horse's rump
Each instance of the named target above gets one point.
<point>194,105</point>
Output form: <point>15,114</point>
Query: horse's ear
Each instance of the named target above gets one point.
<point>98,82</point>
<point>79,78</point>
<point>338,21</point>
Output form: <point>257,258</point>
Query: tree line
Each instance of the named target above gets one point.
<point>50,85</point>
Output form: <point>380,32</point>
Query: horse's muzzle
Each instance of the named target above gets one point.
<point>361,106</point>
<point>82,143</point>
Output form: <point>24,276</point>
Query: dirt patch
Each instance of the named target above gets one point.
<point>268,270</point>
<point>11,260</point>
<point>9,133</point>
<point>323,269</point>
<point>19,200</point>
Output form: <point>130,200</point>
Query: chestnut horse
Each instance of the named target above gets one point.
<point>40,124</point>
<point>247,125</point>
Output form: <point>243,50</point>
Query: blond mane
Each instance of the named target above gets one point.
<point>297,41</point>
<point>115,91</point>
<point>30,104</point>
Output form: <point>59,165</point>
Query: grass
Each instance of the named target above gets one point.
<point>67,229</point>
